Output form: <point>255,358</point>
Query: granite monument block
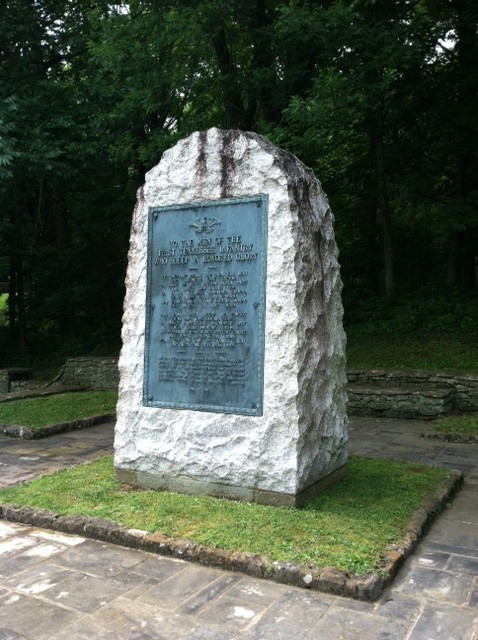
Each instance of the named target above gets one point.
<point>232,370</point>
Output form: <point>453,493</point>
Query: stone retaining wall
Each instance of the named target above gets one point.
<point>465,386</point>
<point>89,373</point>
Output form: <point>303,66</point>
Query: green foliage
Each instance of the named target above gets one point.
<point>428,352</point>
<point>55,409</point>
<point>426,312</point>
<point>349,526</point>
<point>91,94</point>
<point>376,98</point>
<point>431,331</point>
<point>8,141</point>
<point>3,309</point>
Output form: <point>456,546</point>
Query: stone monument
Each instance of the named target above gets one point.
<point>232,371</point>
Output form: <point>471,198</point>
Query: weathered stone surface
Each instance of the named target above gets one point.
<point>27,515</point>
<point>27,433</point>
<point>400,401</point>
<point>4,381</point>
<point>89,373</point>
<point>368,587</point>
<point>302,435</point>
<point>410,393</point>
<point>331,580</point>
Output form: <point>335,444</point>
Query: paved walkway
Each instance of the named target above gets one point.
<point>59,587</point>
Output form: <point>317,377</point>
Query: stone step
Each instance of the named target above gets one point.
<point>20,385</point>
<point>400,401</point>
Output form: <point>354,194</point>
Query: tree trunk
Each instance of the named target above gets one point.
<point>66,316</point>
<point>463,247</point>
<point>231,86</point>
<point>16,292</point>
<point>461,268</point>
<point>376,127</point>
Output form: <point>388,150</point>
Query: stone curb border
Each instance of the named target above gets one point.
<point>457,438</point>
<point>17,431</point>
<point>40,392</point>
<point>329,580</point>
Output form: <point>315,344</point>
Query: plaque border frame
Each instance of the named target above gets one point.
<point>147,401</point>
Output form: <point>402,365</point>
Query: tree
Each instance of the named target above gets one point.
<point>371,123</point>
<point>464,239</point>
<point>44,49</point>
<point>378,96</point>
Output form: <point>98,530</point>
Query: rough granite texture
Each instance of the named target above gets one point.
<point>302,435</point>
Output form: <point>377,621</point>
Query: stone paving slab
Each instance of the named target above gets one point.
<point>434,584</point>
<point>328,579</point>
<point>72,449</point>
<point>352,625</point>
<point>135,595</point>
<point>443,621</point>
<point>21,460</point>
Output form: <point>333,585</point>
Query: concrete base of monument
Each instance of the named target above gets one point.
<point>144,480</point>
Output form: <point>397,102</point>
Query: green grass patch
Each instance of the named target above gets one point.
<point>431,352</point>
<point>63,407</point>
<point>349,526</point>
<point>458,425</point>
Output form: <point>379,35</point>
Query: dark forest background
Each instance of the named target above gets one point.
<point>379,97</point>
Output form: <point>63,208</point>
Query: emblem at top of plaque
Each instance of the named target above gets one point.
<point>204,225</point>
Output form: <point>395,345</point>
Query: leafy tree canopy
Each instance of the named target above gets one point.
<point>378,96</point>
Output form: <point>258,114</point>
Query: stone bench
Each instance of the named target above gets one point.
<point>400,401</point>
